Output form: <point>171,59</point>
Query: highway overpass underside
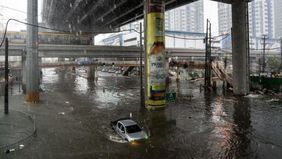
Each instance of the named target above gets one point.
<point>107,15</point>
<point>98,15</point>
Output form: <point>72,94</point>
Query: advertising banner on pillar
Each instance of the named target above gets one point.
<point>156,61</point>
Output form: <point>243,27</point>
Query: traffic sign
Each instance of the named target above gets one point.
<point>170,97</point>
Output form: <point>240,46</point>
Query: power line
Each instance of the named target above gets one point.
<point>53,29</point>
<point>7,23</point>
<point>268,48</point>
<point>20,11</point>
<point>177,37</point>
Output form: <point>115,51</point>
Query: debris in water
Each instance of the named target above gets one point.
<point>10,150</point>
<point>117,139</point>
<point>61,113</point>
<point>71,109</point>
<point>21,146</point>
<point>253,96</point>
<point>273,100</point>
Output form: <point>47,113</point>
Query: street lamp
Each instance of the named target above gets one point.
<point>280,53</point>
<point>263,54</point>
<point>141,70</point>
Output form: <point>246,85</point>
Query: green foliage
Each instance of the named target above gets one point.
<point>274,63</point>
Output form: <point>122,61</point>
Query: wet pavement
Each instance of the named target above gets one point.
<point>73,121</point>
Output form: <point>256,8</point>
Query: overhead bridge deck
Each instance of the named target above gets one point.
<point>98,15</point>
<point>75,51</point>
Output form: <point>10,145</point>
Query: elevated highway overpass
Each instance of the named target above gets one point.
<point>98,15</point>
<point>75,51</point>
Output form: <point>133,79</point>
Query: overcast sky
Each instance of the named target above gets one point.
<point>211,13</point>
<point>17,9</point>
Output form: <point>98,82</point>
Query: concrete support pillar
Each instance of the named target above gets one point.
<point>40,70</point>
<point>32,69</point>
<point>91,72</point>
<point>24,72</point>
<point>94,39</point>
<point>60,59</point>
<point>177,73</point>
<point>240,48</point>
<point>155,55</point>
<point>73,67</point>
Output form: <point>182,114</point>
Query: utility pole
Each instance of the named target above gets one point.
<point>280,54</point>
<point>145,12</point>
<point>208,56</point>
<point>6,99</point>
<point>141,69</point>
<point>263,54</point>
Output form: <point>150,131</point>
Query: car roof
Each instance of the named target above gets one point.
<point>127,122</point>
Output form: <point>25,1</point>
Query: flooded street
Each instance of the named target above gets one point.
<point>74,117</point>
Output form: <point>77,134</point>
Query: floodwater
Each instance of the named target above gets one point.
<point>212,125</point>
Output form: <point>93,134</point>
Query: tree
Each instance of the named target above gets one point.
<point>273,63</point>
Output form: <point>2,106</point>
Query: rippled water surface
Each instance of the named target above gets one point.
<point>210,125</point>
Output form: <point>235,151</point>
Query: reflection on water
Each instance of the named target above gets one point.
<point>81,85</point>
<point>115,138</point>
<point>106,98</point>
<point>242,129</point>
<point>208,125</point>
<point>49,75</point>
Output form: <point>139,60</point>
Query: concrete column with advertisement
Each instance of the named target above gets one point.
<point>156,58</point>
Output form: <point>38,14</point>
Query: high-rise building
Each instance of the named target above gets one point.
<point>186,22</point>
<point>261,18</point>
<point>189,18</point>
<point>261,13</point>
<point>278,18</point>
<point>224,18</point>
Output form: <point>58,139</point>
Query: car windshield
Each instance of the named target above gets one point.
<point>133,129</point>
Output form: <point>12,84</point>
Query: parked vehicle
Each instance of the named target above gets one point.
<point>128,129</point>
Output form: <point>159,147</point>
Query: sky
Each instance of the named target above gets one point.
<point>17,9</point>
<point>210,12</point>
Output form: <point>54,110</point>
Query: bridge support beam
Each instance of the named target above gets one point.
<point>61,60</point>
<point>32,69</point>
<point>73,67</point>
<point>91,72</point>
<point>177,74</point>
<point>24,72</point>
<point>240,47</point>
<point>40,71</point>
<point>155,55</point>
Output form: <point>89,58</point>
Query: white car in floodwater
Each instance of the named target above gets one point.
<point>128,129</point>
